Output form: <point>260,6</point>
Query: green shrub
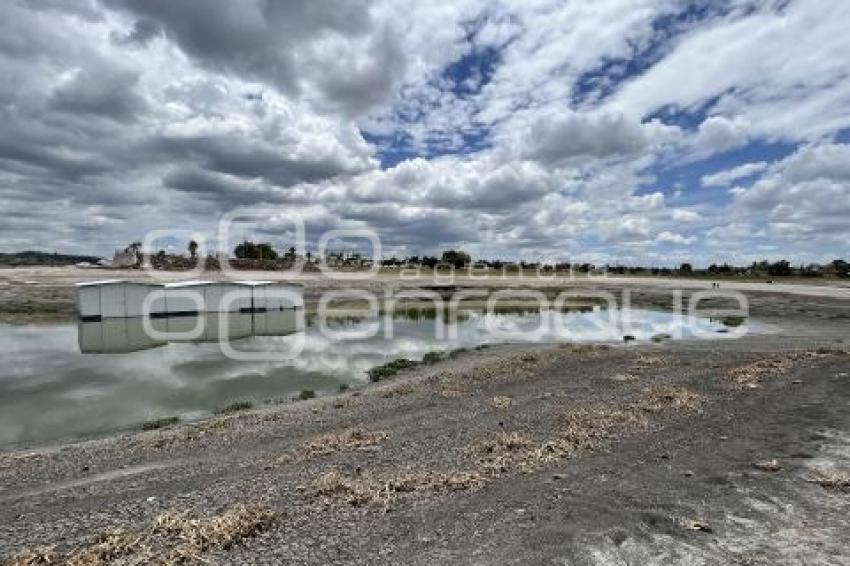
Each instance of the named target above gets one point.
<point>733,321</point>
<point>306,394</point>
<point>432,358</point>
<point>235,407</point>
<point>160,422</point>
<point>389,369</point>
<point>457,352</point>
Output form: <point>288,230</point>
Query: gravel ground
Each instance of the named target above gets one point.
<point>690,452</point>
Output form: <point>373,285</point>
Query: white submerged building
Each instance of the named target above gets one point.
<point>117,298</point>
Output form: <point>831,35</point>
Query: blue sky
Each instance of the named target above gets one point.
<point>621,131</point>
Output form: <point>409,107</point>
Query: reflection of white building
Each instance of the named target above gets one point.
<point>121,335</point>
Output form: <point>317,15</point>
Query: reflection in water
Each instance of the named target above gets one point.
<point>50,390</point>
<point>124,335</point>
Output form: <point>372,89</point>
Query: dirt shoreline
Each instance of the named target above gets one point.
<point>33,294</point>
<point>513,454</point>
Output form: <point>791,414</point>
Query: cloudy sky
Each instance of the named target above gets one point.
<point>638,131</point>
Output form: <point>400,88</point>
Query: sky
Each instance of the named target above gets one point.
<point>643,132</point>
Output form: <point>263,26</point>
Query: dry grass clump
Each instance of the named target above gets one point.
<point>507,442</point>
<point>12,459</point>
<point>506,451</point>
<point>502,402</point>
<point>35,557</point>
<point>582,349</point>
<point>108,547</point>
<point>658,399</point>
<point>172,537</point>
<point>586,428</point>
<point>753,374</point>
<point>451,392</point>
<point>582,429</point>
<point>833,480</point>
<point>398,390</point>
<point>343,402</point>
<point>356,438</point>
<point>578,430</point>
<point>335,487</point>
<point>172,438</point>
<point>513,368</point>
<point>650,361</point>
<point>197,536</point>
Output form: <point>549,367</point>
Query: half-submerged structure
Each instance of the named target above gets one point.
<point>117,298</point>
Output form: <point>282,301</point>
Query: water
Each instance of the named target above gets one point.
<point>51,390</point>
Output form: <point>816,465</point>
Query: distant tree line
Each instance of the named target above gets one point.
<point>250,250</point>
<point>459,259</point>
<point>43,258</point>
<point>780,268</point>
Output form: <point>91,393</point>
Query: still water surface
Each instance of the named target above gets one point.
<point>71,380</point>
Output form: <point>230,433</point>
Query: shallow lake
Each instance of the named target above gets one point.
<point>72,380</point>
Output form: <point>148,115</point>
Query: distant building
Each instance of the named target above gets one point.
<point>125,258</point>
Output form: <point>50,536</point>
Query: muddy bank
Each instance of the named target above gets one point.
<point>592,454</point>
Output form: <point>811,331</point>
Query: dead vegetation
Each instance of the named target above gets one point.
<point>754,374</point>
<point>512,368</point>
<point>587,349</point>
<point>768,465</point>
<point>502,402</point>
<point>658,399</point>
<point>372,489</point>
<point>13,459</point>
<point>506,451</point>
<point>650,361</point>
<point>172,537</point>
<point>108,547</point>
<point>398,390</point>
<point>582,429</point>
<point>832,480</point>
<point>578,430</point>
<point>35,557</point>
<point>345,401</point>
<point>200,535</point>
<point>356,438</point>
<point>451,392</point>
<point>165,439</point>
<point>586,428</point>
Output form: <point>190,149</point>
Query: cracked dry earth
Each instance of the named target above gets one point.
<point>684,452</point>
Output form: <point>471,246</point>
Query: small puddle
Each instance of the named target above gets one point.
<point>66,381</point>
